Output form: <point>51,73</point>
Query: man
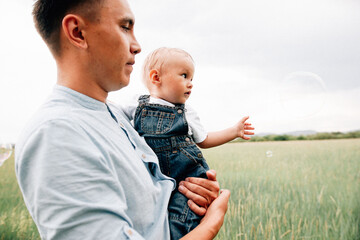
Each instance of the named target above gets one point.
<point>83,170</point>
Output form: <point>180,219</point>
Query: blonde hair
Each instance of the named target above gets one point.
<point>156,59</point>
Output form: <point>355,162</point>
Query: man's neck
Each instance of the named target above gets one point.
<point>80,82</point>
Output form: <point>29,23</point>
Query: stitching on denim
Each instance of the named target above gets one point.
<point>160,117</point>
<point>188,155</point>
<point>152,113</point>
<point>181,106</point>
<point>160,121</point>
<point>144,99</point>
<point>164,106</point>
<point>168,147</point>
<point>168,163</point>
<point>181,217</point>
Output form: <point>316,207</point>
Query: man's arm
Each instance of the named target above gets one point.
<point>241,129</point>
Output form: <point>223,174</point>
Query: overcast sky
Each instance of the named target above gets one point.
<point>289,65</point>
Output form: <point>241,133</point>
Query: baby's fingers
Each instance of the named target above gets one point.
<point>247,127</point>
<point>243,120</point>
<point>248,133</point>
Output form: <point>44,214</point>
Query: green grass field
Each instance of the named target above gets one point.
<point>305,190</point>
<point>15,221</point>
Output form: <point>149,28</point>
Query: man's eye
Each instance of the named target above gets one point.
<point>184,75</point>
<point>126,28</point>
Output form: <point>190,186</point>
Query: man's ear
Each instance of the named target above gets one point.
<point>154,77</point>
<point>73,28</point>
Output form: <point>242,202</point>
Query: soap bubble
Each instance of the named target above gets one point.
<point>269,153</point>
<point>302,94</point>
<point>5,151</point>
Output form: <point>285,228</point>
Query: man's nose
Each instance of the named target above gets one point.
<point>135,47</point>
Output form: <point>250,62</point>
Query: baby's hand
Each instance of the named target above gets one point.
<point>242,128</point>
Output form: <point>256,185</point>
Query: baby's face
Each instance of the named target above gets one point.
<point>176,78</point>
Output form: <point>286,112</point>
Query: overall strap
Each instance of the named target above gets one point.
<point>144,99</point>
<point>179,105</point>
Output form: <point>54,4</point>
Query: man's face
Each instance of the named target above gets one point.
<point>112,45</point>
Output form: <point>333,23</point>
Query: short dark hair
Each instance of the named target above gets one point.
<point>48,16</point>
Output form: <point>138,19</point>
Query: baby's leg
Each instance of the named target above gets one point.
<point>182,219</point>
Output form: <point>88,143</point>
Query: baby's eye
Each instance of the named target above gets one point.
<point>184,75</point>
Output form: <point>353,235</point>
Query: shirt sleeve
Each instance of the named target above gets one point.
<point>129,108</point>
<point>197,130</point>
<point>69,188</point>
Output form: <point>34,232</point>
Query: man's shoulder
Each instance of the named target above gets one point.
<point>50,116</point>
<point>51,112</point>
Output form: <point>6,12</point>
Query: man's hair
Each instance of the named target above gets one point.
<point>48,16</point>
<point>156,59</point>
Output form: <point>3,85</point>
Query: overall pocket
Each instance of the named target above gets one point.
<point>156,122</point>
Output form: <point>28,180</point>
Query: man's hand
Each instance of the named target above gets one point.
<point>201,192</point>
<point>215,214</point>
<point>212,221</point>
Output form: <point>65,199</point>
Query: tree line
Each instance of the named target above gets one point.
<point>317,136</point>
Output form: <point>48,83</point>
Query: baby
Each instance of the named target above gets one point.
<point>173,129</point>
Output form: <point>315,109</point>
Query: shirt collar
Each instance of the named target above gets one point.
<point>160,101</point>
<point>79,98</point>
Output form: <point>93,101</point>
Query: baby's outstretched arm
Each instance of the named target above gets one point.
<point>241,129</point>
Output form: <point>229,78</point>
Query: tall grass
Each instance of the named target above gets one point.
<point>305,190</point>
<point>15,221</point>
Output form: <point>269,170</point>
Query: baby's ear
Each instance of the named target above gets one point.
<point>154,77</point>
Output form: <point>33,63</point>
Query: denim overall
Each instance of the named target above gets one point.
<point>165,130</point>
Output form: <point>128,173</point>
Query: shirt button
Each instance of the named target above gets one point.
<point>179,111</point>
<point>121,125</point>
<point>143,156</point>
<point>130,232</point>
<point>187,139</point>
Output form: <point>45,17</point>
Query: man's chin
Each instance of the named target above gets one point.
<point>119,86</point>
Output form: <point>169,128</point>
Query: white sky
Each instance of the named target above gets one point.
<point>247,56</point>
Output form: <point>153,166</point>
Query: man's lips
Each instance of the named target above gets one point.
<point>130,64</point>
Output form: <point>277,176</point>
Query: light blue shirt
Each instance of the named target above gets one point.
<point>84,175</point>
